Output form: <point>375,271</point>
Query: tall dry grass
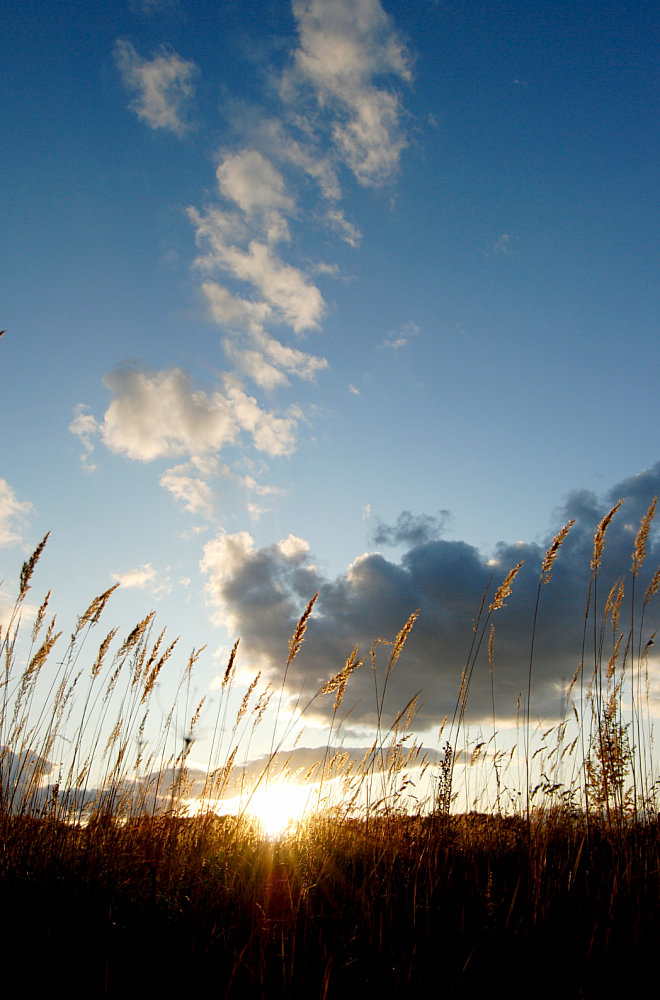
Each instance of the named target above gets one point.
<point>552,884</point>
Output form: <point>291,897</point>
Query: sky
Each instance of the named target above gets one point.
<point>333,295</point>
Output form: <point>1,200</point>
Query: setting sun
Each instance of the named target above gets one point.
<point>278,806</point>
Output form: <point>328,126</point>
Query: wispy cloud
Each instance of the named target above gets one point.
<point>145,577</point>
<point>257,187</point>
<point>302,152</point>
<point>153,7</point>
<point>240,245</point>
<point>344,228</point>
<point>13,515</point>
<point>84,426</point>
<point>233,312</point>
<point>396,339</point>
<point>136,579</point>
<point>261,489</point>
<point>267,361</point>
<point>501,247</point>
<point>338,109</point>
<point>163,86</point>
<point>294,299</point>
<point>346,48</point>
<point>193,493</point>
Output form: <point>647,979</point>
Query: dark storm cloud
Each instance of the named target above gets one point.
<point>262,592</point>
<point>411,529</point>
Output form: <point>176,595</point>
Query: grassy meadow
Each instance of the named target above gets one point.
<point>122,870</point>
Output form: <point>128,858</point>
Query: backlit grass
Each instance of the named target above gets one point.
<point>124,870</point>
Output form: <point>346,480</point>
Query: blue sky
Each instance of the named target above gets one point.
<point>275,274</point>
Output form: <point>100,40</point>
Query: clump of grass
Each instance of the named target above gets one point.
<point>380,891</point>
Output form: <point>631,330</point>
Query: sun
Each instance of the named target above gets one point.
<point>278,806</point>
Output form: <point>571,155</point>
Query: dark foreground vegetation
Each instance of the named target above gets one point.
<point>109,889</point>
<point>408,907</point>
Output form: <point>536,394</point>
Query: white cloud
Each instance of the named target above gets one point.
<point>157,414</point>
<point>253,183</point>
<point>255,366</point>
<point>222,558</point>
<point>13,514</point>
<point>293,547</point>
<point>346,49</point>
<point>231,311</point>
<point>259,488</point>
<point>345,229</point>
<point>285,287</point>
<point>322,267</point>
<point>194,494</point>
<point>145,577</point>
<point>265,359</point>
<point>136,579</point>
<point>208,465</point>
<point>338,87</point>
<point>272,435</point>
<point>369,141</point>
<point>225,553</point>
<point>162,85</point>
<point>84,426</point>
<point>255,510</point>
<point>401,338</point>
<point>301,154</point>
<point>345,46</point>
<point>290,359</point>
<point>293,298</point>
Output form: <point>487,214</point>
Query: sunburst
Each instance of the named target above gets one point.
<point>279,805</point>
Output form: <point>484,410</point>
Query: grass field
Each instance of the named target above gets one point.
<point>110,885</point>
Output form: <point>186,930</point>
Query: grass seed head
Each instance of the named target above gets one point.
<point>95,610</point>
<point>504,589</point>
<point>613,603</point>
<point>338,682</point>
<point>551,554</point>
<point>639,551</point>
<point>39,620</point>
<point>29,567</point>
<point>295,642</point>
<point>402,636</point>
<point>599,537</point>
<point>652,588</point>
<point>229,672</point>
<point>134,637</point>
